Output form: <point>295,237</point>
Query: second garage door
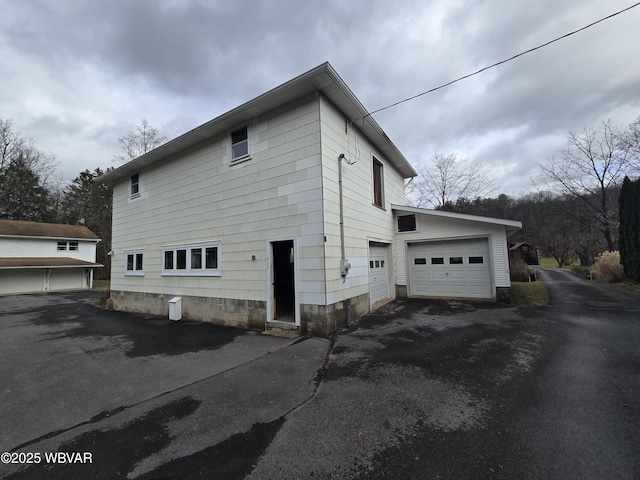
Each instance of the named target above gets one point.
<point>458,268</point>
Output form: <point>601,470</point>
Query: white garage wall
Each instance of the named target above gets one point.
<point>442,228</point>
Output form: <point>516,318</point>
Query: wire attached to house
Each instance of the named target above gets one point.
<point>500,62</point>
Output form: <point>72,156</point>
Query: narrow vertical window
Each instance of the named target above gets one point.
<point>181,259</point>
<point>168,260</point>
<point>130,262</point>
<point>211,257</point>
<point>239,143</point>
<point>378,194</point>
<point>196,258</point>
<point>135,185</point>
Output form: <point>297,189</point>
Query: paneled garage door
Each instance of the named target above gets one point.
<point>66,279</point>
<point>459,268</point>
<point>378,273</point>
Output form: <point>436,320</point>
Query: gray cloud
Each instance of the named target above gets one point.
<point>87,72</point>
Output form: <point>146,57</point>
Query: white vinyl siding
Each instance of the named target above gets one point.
<point>451,229</point>
<point>202,194</point>
<point>363,221</point>
<point>45,247</point>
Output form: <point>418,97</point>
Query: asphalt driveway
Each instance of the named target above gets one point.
<point>76,378</point>
<point>417,389</point>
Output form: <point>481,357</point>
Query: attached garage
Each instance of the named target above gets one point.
<point>378,272</point>
<point>456,268</point>
<point>451,255</point>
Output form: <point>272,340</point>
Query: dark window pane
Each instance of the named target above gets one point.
<point>62,245</point>
<point>211,257</point>
<point>73,246</point>
<point>382,263</point>
<point>168,260</point>
<point>455,260</point>
<point>476,260</point>
<point>135,184</point>
<point>377,263</point>
<point>239,135</point>
<point>371,264</point>
<point>437,261</point>
<point>138,261</point>
<point>407,223</point>
<point>196,258</point>
<point>130,262</point>
<point>181,259</point>
<point>377,183</point>
<point>420,261</point>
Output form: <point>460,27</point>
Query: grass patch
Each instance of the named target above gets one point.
<point>528,294</point>
<point>630,288</point>
<point>102,285</point>
<point>550,262</point>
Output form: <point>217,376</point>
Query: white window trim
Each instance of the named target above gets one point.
<point>134,272</point>
<point>192,272</point>
<point>243,158</point>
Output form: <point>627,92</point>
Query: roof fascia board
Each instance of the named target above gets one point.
<point>459,216</point>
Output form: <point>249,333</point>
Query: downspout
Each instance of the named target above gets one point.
<point>344,263</point>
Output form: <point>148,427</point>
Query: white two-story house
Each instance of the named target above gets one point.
<point>288,211</point>
<point>43,257</point>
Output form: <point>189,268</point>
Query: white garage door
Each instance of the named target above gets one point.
<point>21,281</point>
<point>66,279</point>
<point>458,268</point>
<point>378,273</point>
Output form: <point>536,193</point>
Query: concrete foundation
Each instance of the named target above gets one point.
<point>317,320</point>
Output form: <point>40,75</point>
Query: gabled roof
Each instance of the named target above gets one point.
<point>322,79</point>
<point>44,262</point>
<point>511,225</point>
<point>18,228</point>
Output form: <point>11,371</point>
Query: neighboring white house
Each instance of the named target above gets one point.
<point>42,257</point>
<point>283,213</point>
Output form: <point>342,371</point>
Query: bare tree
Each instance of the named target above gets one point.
<point>593,163</point>
<point>14,146</point>
<point>138,142</point>
<point>447,178</point>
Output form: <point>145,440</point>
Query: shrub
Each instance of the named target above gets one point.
<point>520,271</point>
<point>582,271</point>
<point>607,268</point>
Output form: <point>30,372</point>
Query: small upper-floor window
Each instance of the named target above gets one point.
<point>406,223</point>
<point>135,263</point>
<point>135,185</point>
<point>378,182</point>
<point>64,246</point>
<point>239,144</point>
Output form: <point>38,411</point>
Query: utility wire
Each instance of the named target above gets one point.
<point>502,61</point>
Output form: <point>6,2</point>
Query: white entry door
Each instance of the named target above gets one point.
<point>378,272</point>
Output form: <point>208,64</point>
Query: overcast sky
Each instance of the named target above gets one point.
<point>77,74</point>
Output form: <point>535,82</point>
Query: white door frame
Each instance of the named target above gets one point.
<point>269,279</point>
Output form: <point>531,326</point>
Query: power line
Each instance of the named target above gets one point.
<point>502,61</point>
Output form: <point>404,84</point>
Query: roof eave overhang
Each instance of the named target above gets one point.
<point>323,79</point>
<point>511,226</point>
